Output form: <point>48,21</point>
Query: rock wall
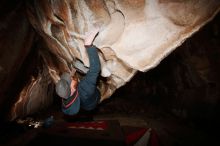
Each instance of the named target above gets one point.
<point>135,34</point>
<point>25,85</point>
<point>186,84</point>
<point>16,38</point>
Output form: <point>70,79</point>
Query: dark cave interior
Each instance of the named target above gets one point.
<point>180,98</point>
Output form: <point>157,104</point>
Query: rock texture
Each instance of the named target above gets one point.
<point>16,39</point>
<point>135,34</point>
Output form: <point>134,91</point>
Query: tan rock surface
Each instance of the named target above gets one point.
<point>135,34</point>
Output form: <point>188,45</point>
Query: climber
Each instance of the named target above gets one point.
<point>83,93</point>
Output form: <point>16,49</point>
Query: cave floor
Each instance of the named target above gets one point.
<point>171,130</point>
